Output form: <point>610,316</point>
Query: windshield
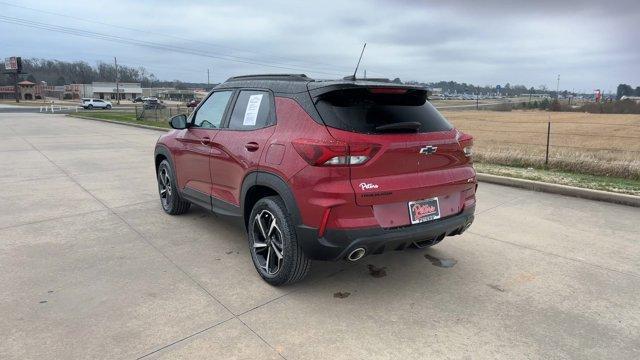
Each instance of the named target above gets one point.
<point>374,110</point>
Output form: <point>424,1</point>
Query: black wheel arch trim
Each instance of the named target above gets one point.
<point>279,185</point>
<point>163,150</point>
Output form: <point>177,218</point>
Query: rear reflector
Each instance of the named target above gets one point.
<point>323,224</point>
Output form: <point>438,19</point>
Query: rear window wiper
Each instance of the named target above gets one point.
<point>407,125</point>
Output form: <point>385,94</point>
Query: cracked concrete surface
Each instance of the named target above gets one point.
<point>91,267</point>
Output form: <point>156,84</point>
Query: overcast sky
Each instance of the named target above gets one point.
<point>591,44</point>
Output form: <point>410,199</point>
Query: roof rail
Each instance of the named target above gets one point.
<point>287,77</point>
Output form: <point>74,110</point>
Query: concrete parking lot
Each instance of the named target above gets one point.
<point>90,267</point>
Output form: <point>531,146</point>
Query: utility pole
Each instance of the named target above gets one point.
<point>117,81</point>
<point>531,93</point>
<point>365,73</point>
<point>558,88</point>
<point>15,86</point>
<point>208,78</point>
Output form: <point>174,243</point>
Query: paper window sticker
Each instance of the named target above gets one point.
<point>251,114</point>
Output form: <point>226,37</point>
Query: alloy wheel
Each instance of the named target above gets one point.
<point>267,244</point>
<point>165,187</point>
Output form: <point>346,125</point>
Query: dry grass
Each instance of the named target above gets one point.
<point>599,144</point>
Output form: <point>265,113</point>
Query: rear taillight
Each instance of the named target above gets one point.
<point>334,153</point>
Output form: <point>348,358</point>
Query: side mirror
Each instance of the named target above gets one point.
<point>179,122</point>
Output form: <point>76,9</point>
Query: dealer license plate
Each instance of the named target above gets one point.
<point>424,210</point>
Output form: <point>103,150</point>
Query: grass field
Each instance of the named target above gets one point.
<point>598,144</point>
<point>596,182</point>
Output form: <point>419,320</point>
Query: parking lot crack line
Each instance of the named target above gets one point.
<point>500,204</point>
<point>556,255</point>
<point>196,282</point>
<point>67,174</point>
<point>290,292</point>
<point>185,338</point>
<point>53,219</point>
<point>134,204</point>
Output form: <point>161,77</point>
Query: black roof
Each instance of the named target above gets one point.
<point>297,83</point>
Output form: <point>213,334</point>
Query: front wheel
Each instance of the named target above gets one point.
<point>170,199</point>
<point>275,251</point>
<point>108,107</point>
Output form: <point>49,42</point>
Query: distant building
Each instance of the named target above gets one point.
<point>102,90</point>
<point>31,91</point>
<point>7,92</point>
<point>108,90</point>
<point>75,91</point>
<point>169,93</point>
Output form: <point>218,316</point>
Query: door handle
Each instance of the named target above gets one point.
<point>205,141</point>
<point>252,146</point>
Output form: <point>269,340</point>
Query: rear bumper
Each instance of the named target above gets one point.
<point>337,244</point>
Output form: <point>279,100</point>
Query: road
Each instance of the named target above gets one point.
<point>91,267</point>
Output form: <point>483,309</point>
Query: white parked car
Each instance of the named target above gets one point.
<point>96,104</point>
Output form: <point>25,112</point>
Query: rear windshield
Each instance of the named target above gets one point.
<point>365,110</point>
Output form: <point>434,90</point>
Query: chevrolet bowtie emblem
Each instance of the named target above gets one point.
<point>427,150</point>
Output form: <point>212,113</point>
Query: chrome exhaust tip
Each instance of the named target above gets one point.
<point>356,254</point>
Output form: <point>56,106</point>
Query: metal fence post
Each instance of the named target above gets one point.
<point>546,158</point>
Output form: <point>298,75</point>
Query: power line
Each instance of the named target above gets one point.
<point>287,61</point>
<point>148,44</point>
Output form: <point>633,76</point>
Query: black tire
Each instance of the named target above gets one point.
<point>90,107</point>
<point>170,199</point>
<point>292,264</point>
<point>108,107</point>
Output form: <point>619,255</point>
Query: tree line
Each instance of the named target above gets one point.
<point>627,90</point>
<point>505,89</point>
<point>57,72</point>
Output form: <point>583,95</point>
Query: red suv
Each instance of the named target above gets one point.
<point>319,170</point>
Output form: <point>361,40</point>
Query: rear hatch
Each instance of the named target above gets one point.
<point>418,153</point>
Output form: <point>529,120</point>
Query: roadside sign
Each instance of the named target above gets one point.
<point>13,63</point>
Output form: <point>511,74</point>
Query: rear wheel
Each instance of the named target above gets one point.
<point>170,199</point>
<point>273,244</point>
<point>90,107</point>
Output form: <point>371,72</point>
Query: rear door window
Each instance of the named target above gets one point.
<point>252,110</point>
<point>380,110</point>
